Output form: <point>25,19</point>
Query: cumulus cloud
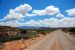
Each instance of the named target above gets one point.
<point>67,22</point>
<point>30,15</point>
<point>39,12</point>
<point>13,16</point>
<point>59,15</point>
<point>23,9</point>
<point>51,22</point>
<point>19,12</point>
<point>12,23</point>
<point>50,10</point>
<point>32,23</point>
<point>2,23</point>
<point>71,12</point>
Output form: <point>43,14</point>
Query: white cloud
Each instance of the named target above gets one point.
<point>19,12</point>
<point>52,22</point>
<point>71,12</point>
<point>13,16</point>
<point>2,23</point>
<point>59,15</point>
<point>50,10</point>
<point>12,23</point>
<point>23,9</point>
<point>32,23</point>
<point>39,12</point>
<point>67,22</point>
<point>30,15</point>
<point>45,23</point>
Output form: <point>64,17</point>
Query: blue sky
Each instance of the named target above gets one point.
<point>62,5</point>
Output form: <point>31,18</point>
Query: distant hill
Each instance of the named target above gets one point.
<point>33,27</point>
<point>23,27</point>
<point>7,27</point>
<point>28,27</point>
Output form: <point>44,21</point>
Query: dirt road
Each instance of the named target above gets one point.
<point>57,40</point>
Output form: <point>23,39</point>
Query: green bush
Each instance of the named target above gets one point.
<point>44,32</point>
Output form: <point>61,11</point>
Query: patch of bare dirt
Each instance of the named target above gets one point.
<point>21,44</point>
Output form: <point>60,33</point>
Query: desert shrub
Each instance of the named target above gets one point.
<point>23,31</point>
<point>17,37</point>
<point>44,32</point>
<point>72,29</point>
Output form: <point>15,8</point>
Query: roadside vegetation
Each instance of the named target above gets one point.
<point>27,33</point>
<point>23,34</point>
